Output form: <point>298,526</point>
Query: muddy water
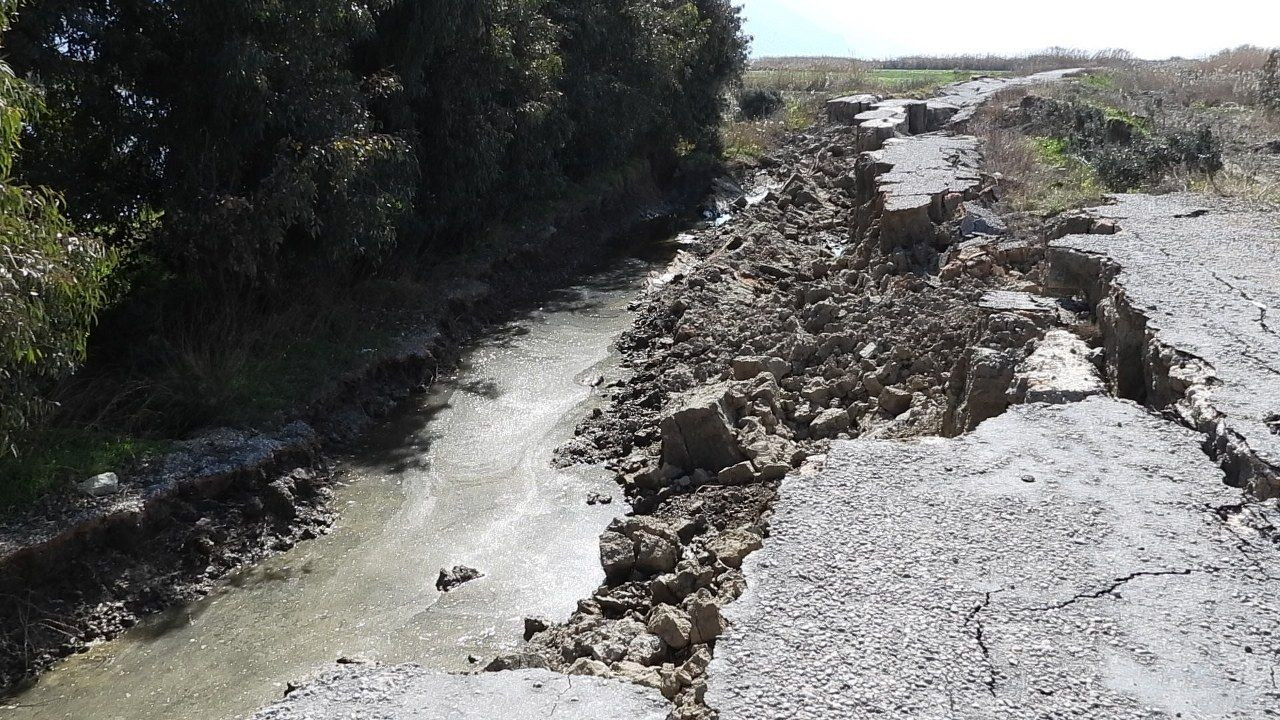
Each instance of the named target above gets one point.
<point>462,479</point>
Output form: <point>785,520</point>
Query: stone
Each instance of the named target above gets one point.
<point>100,485</point>
<point>533,626</point>
<point>731,547</point>
<point>830,423</point>
<point>588,667</point>
<point>654,554</point>
<point>646,649</point>
<point>745,368</point>
<point>656,678</point>
<point>740,474</point>
<point>700,434</point>
<point>673,625</point>
<point>703,610</point>
<point>519,660</point>
<point>617,554</point>
<point>459,575</point>
<point>895,401</point>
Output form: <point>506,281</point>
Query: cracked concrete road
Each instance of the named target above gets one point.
<point>968,96</point>
<point>408,691</point>
<point>1072,561</point>
<point>1206,277</point>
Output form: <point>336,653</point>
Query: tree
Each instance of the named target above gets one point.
<point>51,280</point>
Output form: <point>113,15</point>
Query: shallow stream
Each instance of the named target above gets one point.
<point>462,478</point>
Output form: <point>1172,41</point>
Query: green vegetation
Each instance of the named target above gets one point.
<point>1124,150</point>
<point>52,281</point>
<point>263,170</point>
<point>1099,80</point>
<point>58,456</point>
<point>855,79</point>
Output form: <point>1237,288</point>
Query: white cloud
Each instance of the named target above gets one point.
<point>1149,28</point>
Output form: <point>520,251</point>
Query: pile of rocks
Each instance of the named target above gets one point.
<point>838,306</point>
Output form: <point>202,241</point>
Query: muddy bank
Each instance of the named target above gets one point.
<point>76,570</point>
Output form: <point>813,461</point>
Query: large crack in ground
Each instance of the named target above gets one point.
<point>785,333</point>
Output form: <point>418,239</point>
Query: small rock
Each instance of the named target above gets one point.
<point>617,554</point>
<point>647,649</point>
<point>654,554</point>
<point>460,574</point>
<point>704,613</point>
<point>829,423</point>
<point>895,401</point>
<point>587,666</point>
<point>100,485</point>
<point>533,626</point>
<point>522,660</point>
<point>731,547</point>
<point>740,474</point>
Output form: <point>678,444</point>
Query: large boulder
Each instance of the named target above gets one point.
<point>699,434</point>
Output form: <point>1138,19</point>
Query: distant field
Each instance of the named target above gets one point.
<point>830,76</point>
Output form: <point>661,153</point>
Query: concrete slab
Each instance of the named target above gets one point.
<point>1189,294</point>
<point>1069,561</point>
<point>408,692</point>
<point>926,167</point>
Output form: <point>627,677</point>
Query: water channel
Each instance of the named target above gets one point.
<point>462,478</point>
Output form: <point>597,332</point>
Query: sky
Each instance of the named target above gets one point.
<point>1152,29</point>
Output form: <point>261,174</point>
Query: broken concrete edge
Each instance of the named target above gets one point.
<point>39,543</point>
<point>1143,368</point>
<point>874,590</point>
<point>914,187</point>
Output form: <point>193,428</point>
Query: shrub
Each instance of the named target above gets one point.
<point>1126,151</point>
<point>1269,85</point>
<point>759,103</point>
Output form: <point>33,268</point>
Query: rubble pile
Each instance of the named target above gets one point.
<point>862,295</point>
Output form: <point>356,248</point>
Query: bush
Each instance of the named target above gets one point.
<point>759,103</point>
<point>1269,84</point>
<point>1125,150</point>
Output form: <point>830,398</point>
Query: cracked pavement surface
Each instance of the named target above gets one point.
<point>409,691</point>
<point>1068,561</point>
<point>1206,275</point>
